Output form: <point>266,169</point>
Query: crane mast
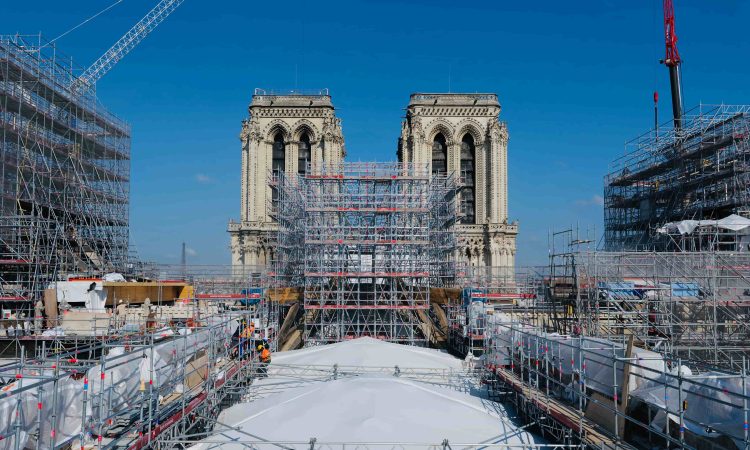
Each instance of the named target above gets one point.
<point>672,61</point>
<point>127,42</point>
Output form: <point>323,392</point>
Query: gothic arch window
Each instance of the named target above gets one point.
<point>468,167</point>
<point>439,155</point>
<point>304,153</point>
<point>279,152</point>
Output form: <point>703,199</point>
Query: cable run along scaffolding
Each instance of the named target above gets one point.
<point>366,241</point>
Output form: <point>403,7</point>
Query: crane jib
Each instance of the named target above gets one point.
<point>126,43</point>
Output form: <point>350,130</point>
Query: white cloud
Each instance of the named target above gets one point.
<point>202,178</point>
<point>596,200</point>
<point>190,252</point>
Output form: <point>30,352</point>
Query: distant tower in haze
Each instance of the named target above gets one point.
<point>285,132</point>
<point>461,134</point>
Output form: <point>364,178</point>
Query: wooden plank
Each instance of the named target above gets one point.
<point>50,307</point>
<point>285,295</point>
<point>443,296</point>
<point>625,396</point>
<point>563,414</point>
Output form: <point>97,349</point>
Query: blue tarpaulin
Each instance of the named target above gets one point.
<point>252,296</point>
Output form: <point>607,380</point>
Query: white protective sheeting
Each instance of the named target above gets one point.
<point>88,293</point>
<point>368,409</point>
<point>368,352</point>
<point>364,408</point>
<point>114,277</point>
<point>567,354</point>
<point>117,391</point>
<point>714,403</point>
<point>163,364</point>
<point>22,405</point>
<point>731,223</point>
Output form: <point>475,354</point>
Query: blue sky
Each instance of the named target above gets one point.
<point>575,81</point>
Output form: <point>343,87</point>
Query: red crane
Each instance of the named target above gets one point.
<point>672,61</point>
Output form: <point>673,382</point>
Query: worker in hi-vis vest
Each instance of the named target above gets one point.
<point>264,355</point>
<point>243,338</point>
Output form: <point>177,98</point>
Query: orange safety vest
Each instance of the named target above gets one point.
<point>265,355</point>
<point>248,331</point>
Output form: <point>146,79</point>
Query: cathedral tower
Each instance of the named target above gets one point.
<point>289,132</point>
<point>461,134</point>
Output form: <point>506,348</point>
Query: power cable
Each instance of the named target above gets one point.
<point>88,20</point>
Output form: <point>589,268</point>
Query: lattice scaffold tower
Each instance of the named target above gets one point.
<point>701,171</point>
<point>692,305</point>
<point>64,174</point>
<point>366,241</point>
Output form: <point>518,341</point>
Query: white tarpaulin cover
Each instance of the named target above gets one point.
<point>714,403</point>
<point>117,391</point>
<point>731,223</point>
<point>368,409</point>
<point>368,352</point>
<point>567,354</point>
<point>364,408</point>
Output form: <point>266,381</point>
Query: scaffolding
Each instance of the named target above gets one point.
<point>487,291</point>
<point>366,241</point>
<point>235,288</point>
<point>149,372</point>
<point>606,393</point>
<point>125,390</point>
<point>693,305</point>
<point>64,169</point>
<point>701,171</point>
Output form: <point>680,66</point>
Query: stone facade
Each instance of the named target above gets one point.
<point>461,134</point>
<point>457,134</point>
<point>287,132</point>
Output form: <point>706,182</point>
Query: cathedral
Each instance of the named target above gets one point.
<point>458,134</point>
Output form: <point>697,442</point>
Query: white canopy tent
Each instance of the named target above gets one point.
<point>368,407</point>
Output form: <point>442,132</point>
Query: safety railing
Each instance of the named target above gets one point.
<point>314,444</point>
<point>120,389</point>
<point>629,395</point>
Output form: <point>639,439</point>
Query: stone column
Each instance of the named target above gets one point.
<point>427,156</point>
<point>234,249</point>
<point>244,180</point>
<point>250,178</point>
<point>503,178</point>
<point>418,151</point>
<point>480,184</point>
<point>262,190</point>
<point>453,162</point>
<point>493,253</point>
<point>317,157</point>
<point>494,171</point>
<point>291,157</point>
<point>334,153</point>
